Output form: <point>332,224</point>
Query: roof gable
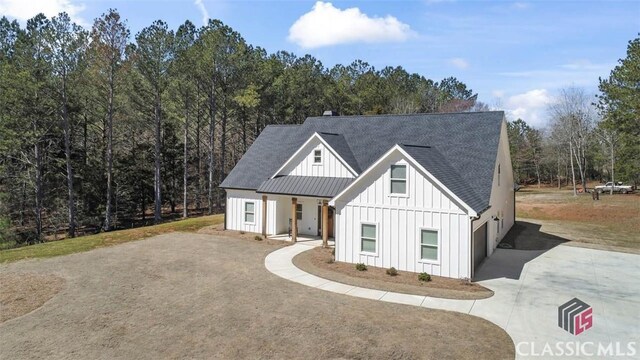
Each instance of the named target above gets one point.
<point>305,154</point>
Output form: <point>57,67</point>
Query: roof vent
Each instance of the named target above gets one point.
<point>330,113</point>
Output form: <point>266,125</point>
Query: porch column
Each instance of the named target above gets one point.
<point>294,220</point>
<point>264,216</point>
<point>325,223</point>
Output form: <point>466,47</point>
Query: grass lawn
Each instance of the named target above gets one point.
<point>89,242</point>
<point>613,221</point>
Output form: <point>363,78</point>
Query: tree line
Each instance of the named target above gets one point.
<point>102,130</point>
<point>588,137</point>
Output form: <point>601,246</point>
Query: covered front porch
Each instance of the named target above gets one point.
<point>298,218</point>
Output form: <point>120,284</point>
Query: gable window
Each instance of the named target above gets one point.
<point>317,156</point>
<point>299,211</point>
<point>498,174</point>
<point>368,238</point>
<point>399,179</point>
<point>429,245</point>
<point>249,212</point>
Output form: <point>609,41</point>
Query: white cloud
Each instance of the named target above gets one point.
<point>23,10</point>
<point>521,5</point>
<point>460,63</point>
<point>203,10</point>
<point>327,25</point>
<point>530,106</point>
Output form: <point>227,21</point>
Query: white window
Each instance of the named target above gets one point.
<point>498,174</point>
<point>317,156</point>
<point>249,212</point>
<point>429,245</point>
<point>299,211</point>
<point>399,179</point>
<point>368,236</point>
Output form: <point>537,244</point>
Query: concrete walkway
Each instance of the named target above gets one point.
<point>529,286</point>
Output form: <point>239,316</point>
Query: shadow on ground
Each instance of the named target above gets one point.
<point>523,243</point>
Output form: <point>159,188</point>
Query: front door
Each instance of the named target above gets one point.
<point>329,225</point>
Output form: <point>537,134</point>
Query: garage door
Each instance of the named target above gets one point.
<point>479,245</point>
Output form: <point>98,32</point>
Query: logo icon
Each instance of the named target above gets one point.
<point>575,316</point>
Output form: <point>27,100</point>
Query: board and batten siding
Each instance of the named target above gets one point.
<point>399,220</point>
<point>235,211</point>
<point>303,163</point>
<point>502,202</point>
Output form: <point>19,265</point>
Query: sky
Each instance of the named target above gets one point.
<point>516,55</point>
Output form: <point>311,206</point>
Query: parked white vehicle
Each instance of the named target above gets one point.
<point>618,187</point>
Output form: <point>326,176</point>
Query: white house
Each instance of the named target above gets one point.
<point>423,192</point>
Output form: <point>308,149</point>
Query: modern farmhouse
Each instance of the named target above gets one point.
<point>423,192</point>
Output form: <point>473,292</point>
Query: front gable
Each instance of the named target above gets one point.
<point>422,192</point>
<point>304,161</point>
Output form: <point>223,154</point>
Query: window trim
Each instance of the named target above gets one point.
<point>406,179</point>
<point>317,163</point>
<point>377,239</point>
<point>244,212</point>
<point>299,212</point>
<point>438,249</point>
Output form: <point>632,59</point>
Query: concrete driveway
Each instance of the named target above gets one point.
<point>529,286</point>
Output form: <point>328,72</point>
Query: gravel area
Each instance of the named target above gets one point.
<point>185,295</point>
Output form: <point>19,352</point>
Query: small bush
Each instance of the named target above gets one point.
<point>465,281</point>
<point>330,261</point>
<point>241,232</point>
<point>392,271</point>
<point>258,238</point>
<point>333,252</point>
<point>424,277</point>
<point>361,267</point>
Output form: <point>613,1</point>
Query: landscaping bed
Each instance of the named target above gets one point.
<point>318,261</point>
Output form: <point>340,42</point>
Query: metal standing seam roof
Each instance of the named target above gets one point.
<point>466,143</point>
<point>319,186</point>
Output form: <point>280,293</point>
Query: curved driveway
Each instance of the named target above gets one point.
<point>529,286</point>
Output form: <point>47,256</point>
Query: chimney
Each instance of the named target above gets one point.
<point>330,113</point>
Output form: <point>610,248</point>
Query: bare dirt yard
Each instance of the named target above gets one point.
<point>23,293</point>
<point>316,261</point>
<point>185,295</point>
<point>611,223</point>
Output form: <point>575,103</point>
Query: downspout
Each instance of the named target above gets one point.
<point>471,258</point>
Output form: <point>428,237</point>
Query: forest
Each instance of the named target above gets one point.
<point>101,129</point>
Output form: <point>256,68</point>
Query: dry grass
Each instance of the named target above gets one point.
<point>613,221</point>
<point>86,243</point>
<point>23,293</point>
<point>316,261</point>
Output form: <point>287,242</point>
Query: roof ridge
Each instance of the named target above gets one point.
<point>407,115</point>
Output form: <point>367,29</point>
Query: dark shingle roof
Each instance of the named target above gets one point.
<point>467,142</point>
<point>434,162</point>
<point>305,185</point>
<point>339,144</point>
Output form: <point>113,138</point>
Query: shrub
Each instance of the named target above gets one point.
<point>361,267</point>
<point>333,252</point>
<point>241,232</point>
<point>330,261</point>
<point>465,281</point>
<point>392,271</point>
<point>424,277</point>
<point>258,238</point>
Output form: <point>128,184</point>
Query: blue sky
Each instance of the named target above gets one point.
<point>516,55</point>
